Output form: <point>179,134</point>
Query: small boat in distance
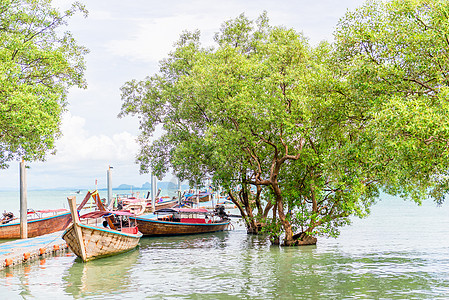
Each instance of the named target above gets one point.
<point>39,222</point>
<point>90,241</point>
<point>191,198</point>
<point>179,221</point>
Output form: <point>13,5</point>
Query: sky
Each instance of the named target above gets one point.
<point>127,39</point>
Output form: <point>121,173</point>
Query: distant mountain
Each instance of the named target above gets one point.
<point>164,185</point>
<point>125,187</point>
<point>167,185</point>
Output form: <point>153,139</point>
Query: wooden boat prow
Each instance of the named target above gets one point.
<point>89,242</point>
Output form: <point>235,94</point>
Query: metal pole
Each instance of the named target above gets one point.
<point>153,193</point>
<point>156,191</point>
<point>197,197</point>
<point>23,202</point>
<point>109,186</point>
<point>212,198</point>
<point>179,192</point>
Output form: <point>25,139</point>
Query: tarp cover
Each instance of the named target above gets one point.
<point>101,213</point>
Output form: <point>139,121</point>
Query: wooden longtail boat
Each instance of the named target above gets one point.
<point>205,197</point>
<point>134,205</point>
<point>163,203</point>
<point>39,222</point>
<point>178,221</point>
<point>139,206</point>
<point>195,198</point>
<point>89,241</point>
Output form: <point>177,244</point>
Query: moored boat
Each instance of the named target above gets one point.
<point>139,206</point>
<point>90,241</point>
<point>134,205</point>
<point>191,198</point>
<point>40,222</point>
<point>179,221</point>
<point>163,202</point>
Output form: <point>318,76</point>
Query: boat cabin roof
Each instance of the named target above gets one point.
<point>182,210</point>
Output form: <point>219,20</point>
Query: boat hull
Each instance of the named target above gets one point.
<point>150,227</point>
<point>99,242</point>
<point>166,204</point>
<point>205,198</point>
<point>36,227</point>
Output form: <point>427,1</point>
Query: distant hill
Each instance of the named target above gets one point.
<point>125,187</point>
<point>165,185</point>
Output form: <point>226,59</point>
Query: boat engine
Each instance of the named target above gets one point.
<point>7,217</point>
<point>220,211</point>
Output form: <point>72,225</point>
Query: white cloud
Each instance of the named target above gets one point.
<point>154,38</point>
<point>80,159</point>
<point>77,145</point>
<point>127,39</point>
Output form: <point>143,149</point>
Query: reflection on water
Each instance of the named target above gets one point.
<point>107,275</point>
<point>400,252</point>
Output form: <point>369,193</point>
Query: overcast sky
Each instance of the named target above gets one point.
<point>126,40</point>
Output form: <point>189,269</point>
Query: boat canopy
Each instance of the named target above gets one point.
<point>182,210</point>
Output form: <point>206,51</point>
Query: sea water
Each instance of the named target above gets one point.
<point>401,251</point>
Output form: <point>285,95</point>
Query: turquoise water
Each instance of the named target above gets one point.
<point>41,199</point>
<point>400,252</point>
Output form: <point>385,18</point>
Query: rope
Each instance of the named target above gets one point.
<point>58,236</point>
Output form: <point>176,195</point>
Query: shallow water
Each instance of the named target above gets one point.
<point>399,252</point>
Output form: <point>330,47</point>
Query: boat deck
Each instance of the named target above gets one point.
<point>22,250</point>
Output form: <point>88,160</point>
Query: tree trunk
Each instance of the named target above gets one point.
<point>288,239</point>
<point>252,227</point>
<point>301,239</point>
<point>274,238</point>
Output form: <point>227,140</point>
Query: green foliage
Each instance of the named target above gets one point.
<point>325,130</point>
<point>38,63</point>
<point>395,55</point>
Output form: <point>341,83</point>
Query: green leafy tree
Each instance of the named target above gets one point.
<point>241,114</point>
<point>395,59</point>
<point>317,132</point>
<point>38,64</point>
